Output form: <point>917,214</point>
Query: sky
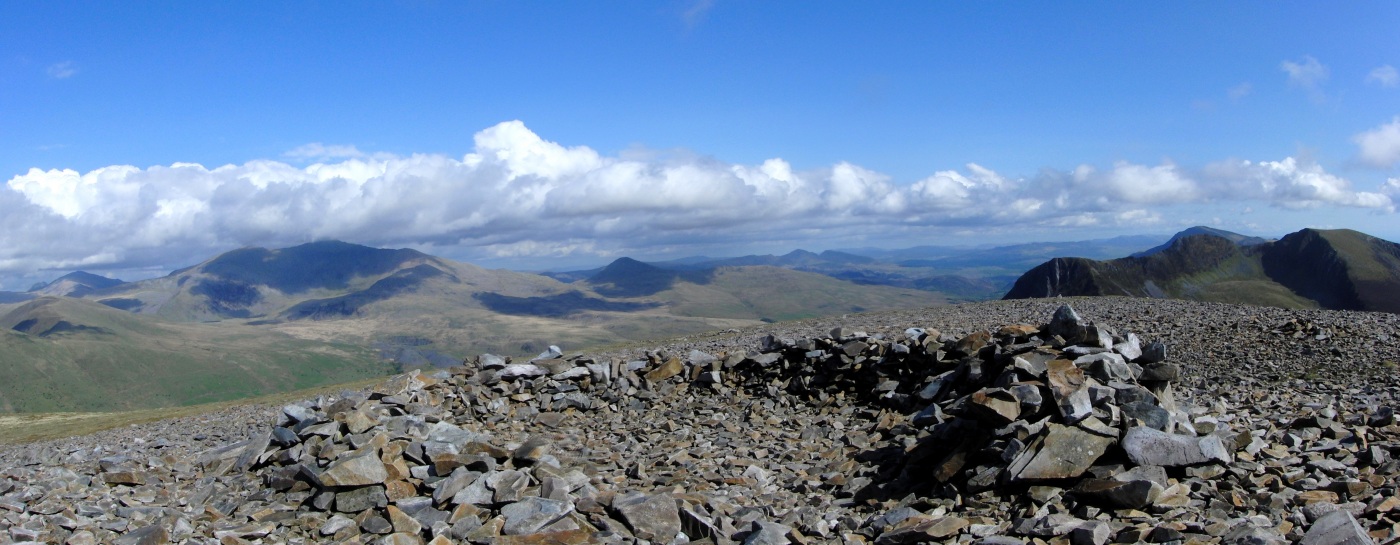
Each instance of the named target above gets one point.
<point>140,137</point>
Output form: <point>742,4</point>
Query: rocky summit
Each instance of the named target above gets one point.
<point>1107,420</point>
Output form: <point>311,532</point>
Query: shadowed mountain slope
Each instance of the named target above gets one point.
<point>1335,269</point>
<point>627,277</point>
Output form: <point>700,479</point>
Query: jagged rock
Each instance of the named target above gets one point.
<point>922,529</point>
<point>1336,528</point>
<point>671,368</point>
<point>767,533</point>
<point>1160,372</point>
<point>1093,532</point>
<point>1153,353</point>
<point>1071,391</point>
<point>1067,324</point>
<point>521,370</point>
<point>995,406</point>
<point>360,469</point>
<point>490,361</point>
<point>1117,493</point>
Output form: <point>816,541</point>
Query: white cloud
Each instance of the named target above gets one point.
<point>1138,217</point>
<point>1380,146</point>
<point>517,194</point>
<point>1138,184</point>
<point>951,190</point>
<point>62,70</point>
<point>1307,72</point>
<point>1384,76</point>
<point>1291,184</point>
<point>1392,188</point>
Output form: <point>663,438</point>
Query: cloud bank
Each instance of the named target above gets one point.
<point>517,194</point>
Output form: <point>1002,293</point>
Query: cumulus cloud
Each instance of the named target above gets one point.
<point>516,194</point>
<point>1290,183</point>
<point>1380,146</point>
<point>1384,76</point>
<point>62,70</point>
<point>1391,188</point>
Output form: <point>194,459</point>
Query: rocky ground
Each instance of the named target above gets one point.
<point>1124,420</point>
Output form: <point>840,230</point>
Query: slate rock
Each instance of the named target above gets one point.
<point>531,514</point>
<point>360,469</point>
<point>763,532</point>
<point>653,517</point>
<point>922,529</point>
<point>670,368</point>
<point>1070,390</point>
<point>1066,452</point>
<point>1337,528</point>
<point>1067,324</point>
<point>1147,446</point>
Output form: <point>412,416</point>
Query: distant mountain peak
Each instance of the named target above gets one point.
<point>1236,238</point>
<point>627,277</point>
<point>75,284</point>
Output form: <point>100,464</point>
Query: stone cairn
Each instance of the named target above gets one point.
<point>1065,412</point>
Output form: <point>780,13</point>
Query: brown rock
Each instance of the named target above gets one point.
<point>360,469</point>
<point>671,368</point>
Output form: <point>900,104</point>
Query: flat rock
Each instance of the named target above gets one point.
<point>1147,446</point>
<point>1066,452</point>
<point>653,517</point>
<point>531,514</point>
<point>360,469</point>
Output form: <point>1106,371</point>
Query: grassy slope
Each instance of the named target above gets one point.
<point>23,428</point>
<point>137,362</point>
<point>1373,266</point>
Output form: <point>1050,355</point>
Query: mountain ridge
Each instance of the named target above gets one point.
<point>1334,269</point>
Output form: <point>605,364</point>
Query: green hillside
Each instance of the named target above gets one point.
<point>106,359</point>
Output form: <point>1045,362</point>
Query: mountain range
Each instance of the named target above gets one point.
<point>257,320</point>
<point>1333,269</point>
<point>958,272</point>
<point>253,317</point>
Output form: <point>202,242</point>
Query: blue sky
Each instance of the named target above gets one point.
<point>139,137</point>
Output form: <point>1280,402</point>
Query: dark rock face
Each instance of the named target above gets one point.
<point>888,428</point>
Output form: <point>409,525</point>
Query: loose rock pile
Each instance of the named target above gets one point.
<point>1065,432</point>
